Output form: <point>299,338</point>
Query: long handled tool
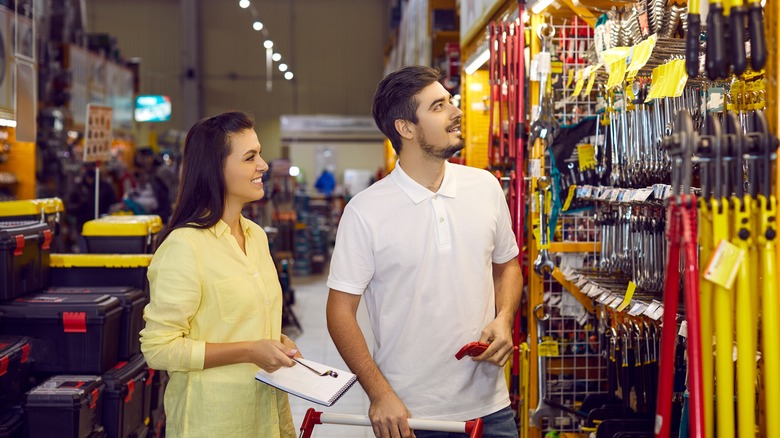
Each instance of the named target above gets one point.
<point>715,62</point>
<point>692,40</point>
<point>757,40</point>
<point>681,234</point>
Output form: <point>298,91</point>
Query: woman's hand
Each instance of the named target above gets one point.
<point>271,355</point>
<point>290,344</point>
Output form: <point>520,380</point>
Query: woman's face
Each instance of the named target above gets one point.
<point>244,169</point>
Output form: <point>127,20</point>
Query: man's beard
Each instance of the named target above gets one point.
<point>432,151</point>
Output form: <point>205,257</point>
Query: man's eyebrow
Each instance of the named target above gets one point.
<point>439,100</point>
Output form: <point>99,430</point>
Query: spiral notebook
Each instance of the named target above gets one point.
<point>304,380</point>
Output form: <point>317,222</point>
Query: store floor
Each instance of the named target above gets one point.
<point>311,295</point>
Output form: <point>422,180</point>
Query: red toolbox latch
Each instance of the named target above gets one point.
<point>46,239</point>
<point>25,352</point>
<point>3,365</point>
<point>130,390</point>
<point>74,322</point>
<point>151,376</point>
<point>19,245</point>
<point>95,395</point>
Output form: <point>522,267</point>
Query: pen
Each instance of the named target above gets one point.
<point>324,373</point>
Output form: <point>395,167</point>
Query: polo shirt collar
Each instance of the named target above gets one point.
<point>416,191</point>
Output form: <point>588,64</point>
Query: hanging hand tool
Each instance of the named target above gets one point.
<point>681,234</point>
<point>494,90</point>
<point>761,147</point>
<point>715,62</point>
<point>543,410</point>
<point>692,36</point>
<point>723,304</point>
<point>543,263</point>
<point>757,40</point>
<point>544,125</point>
<point>737,36</point>
<point>746,299</point>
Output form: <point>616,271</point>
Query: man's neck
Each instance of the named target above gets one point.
<point>426,171</point>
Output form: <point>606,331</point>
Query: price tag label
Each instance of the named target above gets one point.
<point>724,264</point>
<point>549,349</point>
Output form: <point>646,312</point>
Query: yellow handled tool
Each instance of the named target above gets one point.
<point>746,309</point>
<point>724,330</point>
<point>705,295</point>
<point>770,327</point>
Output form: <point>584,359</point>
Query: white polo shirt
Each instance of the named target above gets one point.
<point>424,262</point>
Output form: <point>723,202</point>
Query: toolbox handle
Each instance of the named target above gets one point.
<point>19,245</point>
<point>473,427</point>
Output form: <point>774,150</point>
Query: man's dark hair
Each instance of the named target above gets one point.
<point>395,99</point>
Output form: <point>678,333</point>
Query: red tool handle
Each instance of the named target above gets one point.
<point>472,427</point>
<point>663,415</point>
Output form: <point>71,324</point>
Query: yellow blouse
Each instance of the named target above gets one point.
<point>205,289</point>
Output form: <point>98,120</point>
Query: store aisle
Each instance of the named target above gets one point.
<point>311,295</point>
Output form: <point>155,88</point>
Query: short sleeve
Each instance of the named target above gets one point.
<point>506,245</point>
<point>352,263</point>
<point>175,288</point>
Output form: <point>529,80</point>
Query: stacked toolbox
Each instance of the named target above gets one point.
<point>70,405</point>
<point>122,234</point>
<point>46,210</point>
<point>14,370</point>
<point>100,270</point>
<point>24,258</point>
<point>74,334</point>
<point>127,399</point>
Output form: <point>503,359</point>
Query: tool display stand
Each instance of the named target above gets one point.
<point>70,405</point>
<point>12,423</point>
<point>24,258</point>
<point>71,333</point>
<point>127,398</point>
<point>100,270</point>
<point>14,369</point>
<point>122,234</point>
<point>132,301</point>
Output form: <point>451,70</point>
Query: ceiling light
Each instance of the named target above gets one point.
<point>257,25</point>
<point>268,44</point>
<point>288,75</point>
<point>244,4</point>
<point>295,170</point>
<point>540,6</point>
<point>277,57</point>
<point>282,67</point>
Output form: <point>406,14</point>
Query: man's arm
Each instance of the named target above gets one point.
<point>508,281</point>
<point>387,412</point>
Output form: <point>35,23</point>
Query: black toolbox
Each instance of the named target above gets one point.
<point>132,301</point>
<point>14,370</point>
<point>70,405</point>
<point>24,258</point>
<point>71,333</point>
<point>12,423</point>
<point>46,210</point>
<point>122,234</point>
<point>127,399</point>
<point>100,270</point>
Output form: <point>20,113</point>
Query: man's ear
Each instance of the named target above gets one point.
<point>403,128</point>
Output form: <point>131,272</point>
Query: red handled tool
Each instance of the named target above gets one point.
<point>472,428</point>
<point>475,349</point>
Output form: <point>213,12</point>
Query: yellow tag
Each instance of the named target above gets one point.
<point>570,78</point>
<point>548,349</point>
<point>579,84</point>
<point>586,154</point>
<point>617,72</point>
<point>680,77</point>
<point>556,67</point>
<point>591,80</point>
<point>569,197</point>
<point>642,52</point>
<point>627,297</point>
<point>724,264</point>
<point>537,236</point>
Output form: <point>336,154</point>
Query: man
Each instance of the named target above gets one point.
<point>432,249</point>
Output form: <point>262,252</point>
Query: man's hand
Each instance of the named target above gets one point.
<point>389,417</point>
<point>499,335</point>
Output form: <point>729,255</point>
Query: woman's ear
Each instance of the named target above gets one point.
<point>403,128</point>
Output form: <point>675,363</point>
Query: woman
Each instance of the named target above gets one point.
<point>215,311</point>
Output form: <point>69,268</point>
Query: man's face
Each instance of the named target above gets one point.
<point>438,129</point>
